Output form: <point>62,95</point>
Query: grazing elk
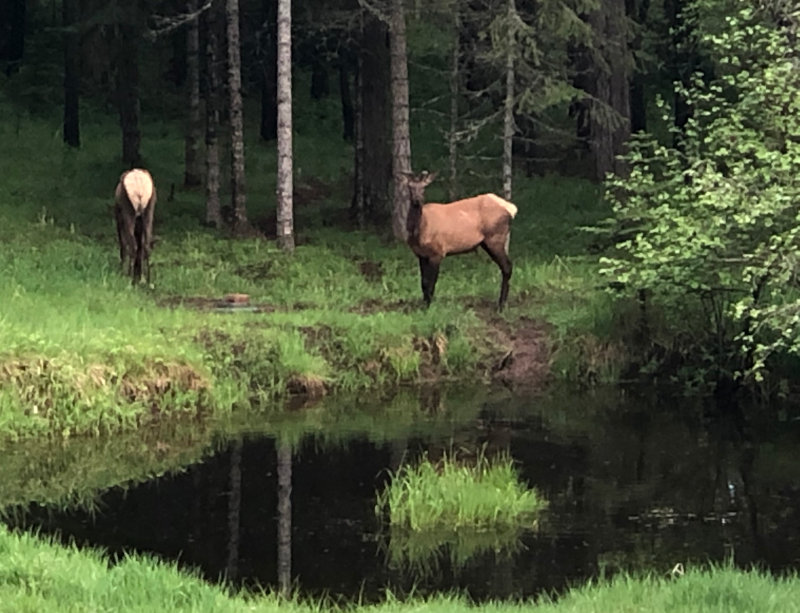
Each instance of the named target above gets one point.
<point>436,230</point>
<point>134,203</point>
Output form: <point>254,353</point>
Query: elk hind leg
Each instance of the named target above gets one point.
<point>496,248</point>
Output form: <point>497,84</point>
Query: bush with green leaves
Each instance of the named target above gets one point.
<point>711,220</point>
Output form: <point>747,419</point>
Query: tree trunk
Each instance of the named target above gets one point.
<point>682,63</point>
<point>346,97</point>
<point>358,205</point>
<point>72,76</point>
<point>269,75</point>
<point>376,130</point>
<point>508,111</point>
<point>610,89</point>
<point>238,197</point>
<point>285,186</point>
<point>401,138</point>
<point>213,95</point>
<point>455,92</point>
<point>128,93</point>
<point>193,173</point>
<point>284,451</point>
<point>16,36</point>
<point>637,10</point>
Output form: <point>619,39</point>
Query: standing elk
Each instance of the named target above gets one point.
<point>134,204</point>
<point>436,230</point>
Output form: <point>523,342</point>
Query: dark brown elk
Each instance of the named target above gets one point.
<point>436,230</point>
<point>134,205</point>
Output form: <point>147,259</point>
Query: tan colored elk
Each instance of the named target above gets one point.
<point>436,230</point>
<point>134,205</point>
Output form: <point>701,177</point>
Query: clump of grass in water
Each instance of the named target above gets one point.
<point>452,494</point>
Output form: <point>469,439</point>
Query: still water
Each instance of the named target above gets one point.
<point>634,482</point>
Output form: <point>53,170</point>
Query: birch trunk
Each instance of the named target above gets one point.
<point>193,163</point>
<point>238,196</point>
<point>401,139</point>
<point>285,228</point>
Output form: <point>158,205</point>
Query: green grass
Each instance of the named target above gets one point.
<point>454,493</point>
<point>38,576</point>
<point>81,351</point>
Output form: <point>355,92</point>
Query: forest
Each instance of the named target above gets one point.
<point>650,147</point>
<point>251,358</point>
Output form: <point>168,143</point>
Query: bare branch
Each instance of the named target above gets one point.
<point>167,24</point>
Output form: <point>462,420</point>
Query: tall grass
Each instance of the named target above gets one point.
<point>38,576</point>
<point>451,493</point>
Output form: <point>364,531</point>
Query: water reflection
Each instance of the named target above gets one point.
<point>632,482</point>
<point>424,554</point>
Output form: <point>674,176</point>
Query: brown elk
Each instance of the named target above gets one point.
<point>134,204</point>
<point>436,230</point>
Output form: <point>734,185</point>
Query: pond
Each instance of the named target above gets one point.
<point>635,481</point>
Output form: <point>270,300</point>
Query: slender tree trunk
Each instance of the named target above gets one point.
<point>16,36</point>
<point>72,76</point>
<point>285,185</point>
<point>401,138</point>
<point>455,93</point>
<point>284,451</point>
<point>346,97</point>
<point>234,511</point>
<point>376,129</point>
<point>269,74</point>
<point>358,206</point>
<point>508,114</point>
<point>637,10</point>
<point>213,82</point>
<point>193,173</point>
<point>128,93</point>
<point>238,196</point>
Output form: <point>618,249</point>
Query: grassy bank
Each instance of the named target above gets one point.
<point>37,576</point>
<point>83,352</point>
